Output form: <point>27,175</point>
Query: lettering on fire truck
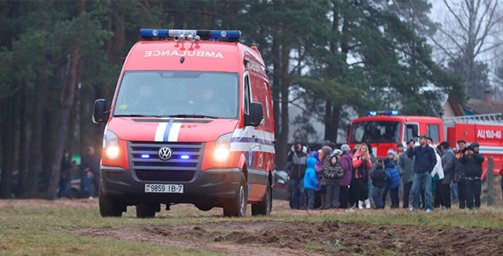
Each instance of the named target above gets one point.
<point>488,134</point>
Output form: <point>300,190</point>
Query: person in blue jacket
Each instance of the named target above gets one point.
<point>393,181</point>
<point>311,182</point>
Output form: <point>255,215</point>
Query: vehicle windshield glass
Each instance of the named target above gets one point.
<point>178,93</point>
<point>376,132</point>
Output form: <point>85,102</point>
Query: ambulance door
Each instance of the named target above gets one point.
<point>257,172</point>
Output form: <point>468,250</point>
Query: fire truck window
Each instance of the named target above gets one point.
<point>433,132</point>
<point>411,132</point>
<point>178,93</point>
<point>376,132</point>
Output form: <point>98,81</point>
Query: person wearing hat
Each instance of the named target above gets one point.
<point>332,174</point>
<point>297,167</point>
<point>472,161</point>
<point>424,162</point>
<point>346,162</point>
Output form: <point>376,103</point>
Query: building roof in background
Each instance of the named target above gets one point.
<point>456,108</point>
<point>478,106</point>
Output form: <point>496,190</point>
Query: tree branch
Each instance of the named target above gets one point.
<point>458,19</point>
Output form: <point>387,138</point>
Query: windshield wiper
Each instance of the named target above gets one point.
<point>194,115</point>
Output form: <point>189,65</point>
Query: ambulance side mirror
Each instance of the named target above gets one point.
<point>256,115</point>
<point>100,113</point>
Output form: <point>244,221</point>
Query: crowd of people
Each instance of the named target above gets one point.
<point>428,176</point>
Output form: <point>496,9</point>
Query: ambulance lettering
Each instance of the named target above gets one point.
<point>201,54</point>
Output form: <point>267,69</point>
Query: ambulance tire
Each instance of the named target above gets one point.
<point>147,210</point>
<point>264,207</point>
<point>237,206</point>
<point>108,206</point>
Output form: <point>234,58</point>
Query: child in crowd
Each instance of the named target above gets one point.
<point>379,179</point>
<point>310,182</point>
<point>394,180</point>
<point>332,173</point>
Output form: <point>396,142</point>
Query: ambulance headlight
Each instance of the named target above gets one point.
<point>112,152</point>
<point>111,145</point>
<point>222,148</point>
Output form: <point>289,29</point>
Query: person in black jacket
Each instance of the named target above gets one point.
<point>90,172</point>
<point>379,180</point>
<point>297,167</point>
<point>472,161</point>
<point>459,176</point>
<point>424,162</point>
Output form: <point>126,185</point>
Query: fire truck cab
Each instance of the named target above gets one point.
<point>384,130</point>
<point>191,121</point>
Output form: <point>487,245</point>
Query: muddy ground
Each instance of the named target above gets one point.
<point>328,238</point>
<point>282,235</point>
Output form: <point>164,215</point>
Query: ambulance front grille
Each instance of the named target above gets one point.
<point>148,166</point>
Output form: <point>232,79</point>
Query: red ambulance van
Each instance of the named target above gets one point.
<point>191,121</point>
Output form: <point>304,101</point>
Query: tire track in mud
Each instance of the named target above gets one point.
<point>304,238</point>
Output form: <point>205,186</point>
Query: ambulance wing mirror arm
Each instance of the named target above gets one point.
<point>256,115</point>
<point>100,113</point>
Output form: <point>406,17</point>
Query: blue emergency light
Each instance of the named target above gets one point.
<point>384,113</point>
<point>184,157</point>
<point>212,35</point>
<point>145,156</point>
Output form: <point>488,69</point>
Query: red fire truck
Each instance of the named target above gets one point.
<point>384,130</point>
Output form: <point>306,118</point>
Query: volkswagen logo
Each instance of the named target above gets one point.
<point>165,153</point>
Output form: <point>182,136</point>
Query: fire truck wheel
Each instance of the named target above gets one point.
<point>237,206</point>
<point>109,207</point>
<point>147,210</point>
<point>264,207</point>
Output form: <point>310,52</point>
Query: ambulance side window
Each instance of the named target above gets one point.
<point>411,132</point>
<point>433,132</point>
<point>247,96</point>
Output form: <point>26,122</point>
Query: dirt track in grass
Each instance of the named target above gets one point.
<point>299,238</point>
<point>290,232</point>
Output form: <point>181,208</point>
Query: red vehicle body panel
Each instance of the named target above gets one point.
<point>489,136</point>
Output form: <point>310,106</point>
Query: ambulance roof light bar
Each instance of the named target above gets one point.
<point>383,113</point>
<point>211,35</point>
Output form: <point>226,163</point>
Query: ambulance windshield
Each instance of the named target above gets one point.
<point>178,94</point>
<point>375,132</point>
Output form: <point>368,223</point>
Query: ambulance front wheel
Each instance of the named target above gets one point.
<point>236,207</point>
<point>109,207</point>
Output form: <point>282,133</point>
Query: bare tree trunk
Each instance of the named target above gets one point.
<point>23,136</point>
<point>36,159</point>
<point>282,148</point>
<point>65,112</point>
<point>276,94</point>
<point>8,149</point>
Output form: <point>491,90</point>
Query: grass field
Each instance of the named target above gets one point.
<point>65,227</point>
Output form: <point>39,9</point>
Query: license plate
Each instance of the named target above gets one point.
<point>164,188</point>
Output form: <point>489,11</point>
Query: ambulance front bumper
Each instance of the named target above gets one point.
<point>210,187</point>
